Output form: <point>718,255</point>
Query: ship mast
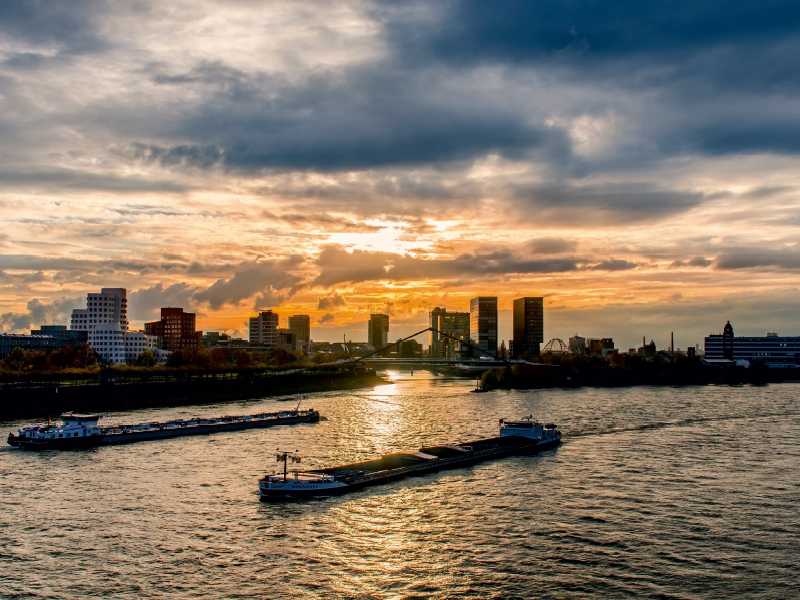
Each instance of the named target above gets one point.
<point>284,456</point>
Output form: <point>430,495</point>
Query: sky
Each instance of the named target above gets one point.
<point>635,163</point>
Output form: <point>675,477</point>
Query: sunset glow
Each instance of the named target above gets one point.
<point>338,159</point>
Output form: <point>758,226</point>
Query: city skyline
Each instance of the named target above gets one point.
<point>346,159</point>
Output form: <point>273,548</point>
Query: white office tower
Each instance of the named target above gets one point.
<point>105,318</point>
<point>110,306</point>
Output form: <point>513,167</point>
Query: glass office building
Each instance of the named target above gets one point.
<point>453,324</point>
<point>528,326</point>
<point>483,323</point>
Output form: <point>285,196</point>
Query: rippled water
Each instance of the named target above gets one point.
<point>655,492</point>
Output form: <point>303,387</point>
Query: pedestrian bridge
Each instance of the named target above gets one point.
<point>466,365</point>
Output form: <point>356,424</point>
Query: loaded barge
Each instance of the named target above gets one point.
<point>83,431</point>
<point>516,437</point>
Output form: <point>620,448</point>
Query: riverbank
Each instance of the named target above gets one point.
<point>600,374</point>
<point>46,401</point>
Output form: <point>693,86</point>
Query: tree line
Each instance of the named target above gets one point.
<point>623,370</point>
<point>82,358</point>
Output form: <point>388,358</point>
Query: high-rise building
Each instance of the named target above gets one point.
<point>264,328</point>
<point>455,324</point>
<point>176,329</point>
<point>300,325</point>
<point>483,323</point>
<point>378,331</point>
<point>528,326</point>
<point>109,307</point>
<point>105,318</point>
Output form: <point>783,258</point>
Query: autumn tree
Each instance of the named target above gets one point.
<point>145,359</point>
<point>16,360</point>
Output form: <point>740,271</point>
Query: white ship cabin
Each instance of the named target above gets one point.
<point>72,426</point>
<point>529,428</point>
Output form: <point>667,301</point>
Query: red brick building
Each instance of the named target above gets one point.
<point>176,329</point>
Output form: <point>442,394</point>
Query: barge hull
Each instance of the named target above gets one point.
<point>105,439</point>
<point>510,446</point>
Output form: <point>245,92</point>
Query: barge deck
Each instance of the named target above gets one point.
<point>83,431</point>
<point>516,437</point>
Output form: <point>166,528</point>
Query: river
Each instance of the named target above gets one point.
<point>655,492</point>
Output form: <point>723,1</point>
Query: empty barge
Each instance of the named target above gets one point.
<point>516,437</point>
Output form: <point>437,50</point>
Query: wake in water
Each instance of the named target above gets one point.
<point>681,423</point>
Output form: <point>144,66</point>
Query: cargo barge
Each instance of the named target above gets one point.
<point>516,437</point>
<point>83,431</point>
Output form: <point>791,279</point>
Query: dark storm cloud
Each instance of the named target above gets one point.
<point>67,26</point>
<point>362,118</point>
<point>709,78</point>
<point>521,31</point>
<point>452,83</point>
<point>678,64</point>
<point>627,202</point>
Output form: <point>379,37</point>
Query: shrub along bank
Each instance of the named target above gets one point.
<point>577,372</point>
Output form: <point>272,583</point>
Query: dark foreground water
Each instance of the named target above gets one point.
<point>655,492</point>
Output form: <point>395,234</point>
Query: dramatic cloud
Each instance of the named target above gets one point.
<point>145,304</point>
<point>324,319</point>
<point>404,155</point>
<point>337,265</point>
<point>40,313</point>
<point>271,280</point>
<point>331,302</point>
